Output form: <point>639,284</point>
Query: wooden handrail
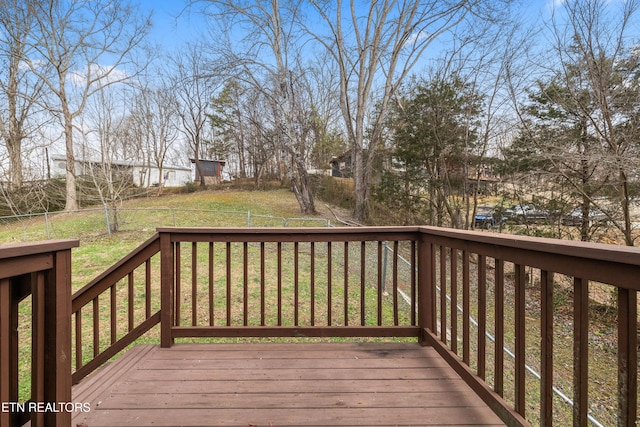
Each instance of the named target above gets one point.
<point>42,270</point>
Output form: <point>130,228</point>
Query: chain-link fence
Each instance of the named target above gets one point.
<point>102,221</point>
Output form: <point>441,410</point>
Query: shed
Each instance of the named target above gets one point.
<point>213,171</point>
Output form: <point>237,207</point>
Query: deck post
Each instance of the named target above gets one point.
<point>166,290</point>
<point>57,339</point>
<point>426,287</point>
<point>8,349</point>
<point>627,357</point>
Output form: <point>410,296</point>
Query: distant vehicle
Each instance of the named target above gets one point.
<point>596,216</point>
<point>487,217</point>
<point>528,213</point>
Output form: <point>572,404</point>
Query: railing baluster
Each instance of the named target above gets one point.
<point>194,283</point>
<point>147,288</point>
<point>396,321</point>
<point>279,252</point>
<point>482,315</point>
<point>380,283</point>
<point>466,334</point>
<point>499,327</point>
<point>262,285</point>
<point>38,349</point>
<point>580,351</point>
<point>329,268</point>
<point>245,283</point>
<point>443,294</point>
<point>312,280</point>
<point>546,348</point>
<point>627,357</point>
<point>96,327</point>
<point>454,299</point>
<point>178,278</point>
<point>413,283</point>
<point>346,283</point>
<point>211,284</point>
<point>520,344</point>
<point>228,283</point>
<point>78,322</point>
<point>114,313</point>
<point>363,270</point>
<point>131,299</point>
<point>296,283</point>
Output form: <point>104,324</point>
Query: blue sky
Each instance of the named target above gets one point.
<point>173,25</point>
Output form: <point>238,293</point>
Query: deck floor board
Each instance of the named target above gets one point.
<point>310,384</point>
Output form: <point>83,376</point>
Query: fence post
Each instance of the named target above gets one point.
<point>248,218</point>
<point>46,225</point>
<point>106,217</point>
<point>166,289</point>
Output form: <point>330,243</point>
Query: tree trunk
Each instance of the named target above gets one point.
<point>71,203</point>
<point>360,185</point>
<point>199,169</point>
<point>14,147</point>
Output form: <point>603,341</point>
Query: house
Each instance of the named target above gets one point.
<point>140,174</point>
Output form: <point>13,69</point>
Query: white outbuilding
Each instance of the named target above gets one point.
<point>140,174</point>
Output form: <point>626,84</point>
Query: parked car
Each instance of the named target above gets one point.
<point>487,217</point>
<point>596,216</point>
<point>528,213</point>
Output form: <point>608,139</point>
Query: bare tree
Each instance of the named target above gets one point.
<point>374,49</point>
<point>103,162</point>
<point>153,123</point>
<point>268,58</point>
<point>86,47</point>
<point>18,90</point>
<point>323,97</point>
<point>194,89</point>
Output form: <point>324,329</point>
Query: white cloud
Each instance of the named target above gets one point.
<point>554,4</point>
<point>29,64</point>
<point>104,74</point>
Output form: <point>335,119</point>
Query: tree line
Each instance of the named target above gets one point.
<point>423,97</point>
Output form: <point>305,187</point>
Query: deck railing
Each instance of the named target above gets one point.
<point>116,308</point>
<point>35,280</point>
<point>528,283</point>
<point>473,296</point>
<point>295,283</point>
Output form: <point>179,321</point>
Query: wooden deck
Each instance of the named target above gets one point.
<point>316,384</point>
